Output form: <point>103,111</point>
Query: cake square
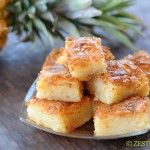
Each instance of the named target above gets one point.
<point>60,56</point>
<point>129,116</point>
<point>141,59</point>
<point>52,58</point>
<point>121,80</point>
<point>85,57</point>
<point>60,116</point>
<point>56,83</point>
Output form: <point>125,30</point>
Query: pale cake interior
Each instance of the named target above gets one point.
<point>128,116</point>
<point>60,116</point>
<point>121,80</point>
<point>56,83</point>
<point>85,57</point>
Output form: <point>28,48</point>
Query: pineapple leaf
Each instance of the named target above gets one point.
<point>68,27</point>
<point>41,6</point>
<point>61,18</point>
<point>121,37</point>
<point>96,22</point>
<point>116,5</point>
<point>85,13</point>
<point>122,25</point>
<point>99,3</point>
<point>48,16</point>
<point>31,12</point>
<point>110,5</point>
<point>42,28</point>
<point>73,5</point>
<point>129,16</point>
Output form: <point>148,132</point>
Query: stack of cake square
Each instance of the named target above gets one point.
<point>121,104</point>
<point>118,90</point>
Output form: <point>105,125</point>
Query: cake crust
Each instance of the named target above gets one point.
<point>56,72</point>
<point>56,83</point>
<point>123,72</point>
<point>60,116</point>
<point>107,53</point>
<point>122,79</point>
<point>128,116</point>
<point>130,106</point>
<point>59,56</point>
<point>52,57</point>
<point>57,107</point>
<point>141,59</point>
<point>85,57</point>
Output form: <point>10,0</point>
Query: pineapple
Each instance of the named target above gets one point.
<point>3,4</point>
<point>3,22</point>
<point>3,32</point>
<point>57,19</point>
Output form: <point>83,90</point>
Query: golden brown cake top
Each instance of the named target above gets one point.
<point>84,48</point>
<point>79,48</point>
<point>51,58</point>
<point>53,74</point>
<point>131,105</point>
<point>107,53</point>
<point>141,59</point>
<point>55,107</point>
<point>123,72</point>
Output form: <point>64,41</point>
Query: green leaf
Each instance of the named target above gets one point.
<point>68,27</point>
<point>31,12</point>
<point>48,16</point>
<point>18,6</point>
<point>110,4</point>
<point>129,16</point>
<point>85,13</point>
<point>123,5</point>
<point>121,37</point>
<point>96,22</point>
<point>73,5</point>
<point>116,5</point>
<point>41,6</point>
<point>29,26</point>
<point>122,25</point>
<point>98,3</point>
<point>42,28</point>
<point>129,26</point>
<point>25,4</point>
<point>85,31</point>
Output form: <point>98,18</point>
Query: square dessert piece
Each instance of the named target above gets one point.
<point>141,59</point>
<point>56,83</point>
<point>63,57</point>
<point>129,116</point>
<point>60,116</point>
<point>59,56</point>
<point>85,57</point>
<point>121,80</point>
<point>52,58</point>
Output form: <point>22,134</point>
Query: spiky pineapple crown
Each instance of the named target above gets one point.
<point>61,18</point>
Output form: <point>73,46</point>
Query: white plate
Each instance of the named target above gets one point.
<point>84,132</point>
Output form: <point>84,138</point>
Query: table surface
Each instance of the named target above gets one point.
<point>19,66</point>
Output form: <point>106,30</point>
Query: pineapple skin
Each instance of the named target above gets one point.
<point>3,4</point>
<point>3,32</point>
<point>3,22</point>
